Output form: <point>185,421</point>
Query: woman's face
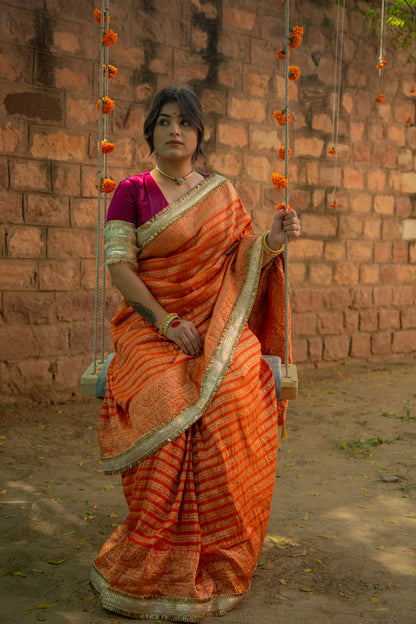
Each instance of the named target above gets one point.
<point>173,137</point>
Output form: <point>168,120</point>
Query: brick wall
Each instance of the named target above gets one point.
<point>352,274</point>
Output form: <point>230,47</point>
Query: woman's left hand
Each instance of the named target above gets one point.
<point>285,221</point>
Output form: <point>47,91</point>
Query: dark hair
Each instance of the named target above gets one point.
<point>190,107</point>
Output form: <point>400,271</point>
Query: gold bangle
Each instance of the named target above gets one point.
<point>164,326</point>
<point>268,250</point>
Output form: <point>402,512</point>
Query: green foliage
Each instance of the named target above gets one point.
<point>364,446</point>
<point>400,22</point>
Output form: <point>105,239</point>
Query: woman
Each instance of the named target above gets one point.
<point>190,414</point>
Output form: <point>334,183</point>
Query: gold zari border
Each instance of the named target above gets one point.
<point>211,380</point>
<point>120,242</point>
<point>159,607</point>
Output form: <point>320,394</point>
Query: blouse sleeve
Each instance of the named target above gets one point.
<point>121,243</point>
<point>123,206</point>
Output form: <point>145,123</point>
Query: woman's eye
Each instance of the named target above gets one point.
<point>163,122</point>
<point>184,122</point>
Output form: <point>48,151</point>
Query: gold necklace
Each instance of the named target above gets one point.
<point>176,180</point>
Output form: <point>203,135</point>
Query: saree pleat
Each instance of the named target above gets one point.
<point>195,440</point>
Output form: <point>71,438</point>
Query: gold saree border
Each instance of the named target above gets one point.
<point>211,379</point>
<point>160,607</point>
<point>149,230</point>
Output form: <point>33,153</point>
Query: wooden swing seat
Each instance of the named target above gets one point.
<point>289,383</point>
<point>89,379</point>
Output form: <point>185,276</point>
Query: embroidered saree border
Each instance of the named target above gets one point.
<point>149,230</point>
<point>211,380</point>
<point>159,607</point>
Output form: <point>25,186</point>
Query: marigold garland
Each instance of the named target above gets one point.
<point>281,152</point>
<point>382,64</point>
<point>106,147</point>
<point>409,121</point>
<point>334,205</point>
<point>97,16</point>
<point>107,186</point>
<point>295,38</point>
<point>112,71</point>
<point>294,72</point>
<point>412,90</point>
<point>279,181</point>
<point>281,54</point>
<point>282,206</point>
<point>379,99</point>
<point>109,38</point>
<point>332,150</point>
<point>280,116</point>
<point>108,105</point>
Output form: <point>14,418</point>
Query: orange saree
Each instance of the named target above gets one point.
<point>195,440</point>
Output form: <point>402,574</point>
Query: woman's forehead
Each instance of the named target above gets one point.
<point>172,109</point>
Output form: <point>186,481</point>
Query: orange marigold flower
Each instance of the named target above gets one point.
<point>382,63</point>
<point>108,105</point>
<point>295,39</point>
<point>106,147</point>
<point>409,120</point>
<point>97,16</point>
<point>281,54</point>
<point>279,181</point>
<point>412,90</point>
<point>281,153</point>
<point>109,38</point>
<point>334,205</point>
<point>379,99</point>
<point>280,116</point>
<point>112,71</point>
<point>282,206</point>
<point>294,72</point>
<point>332,150</point>
<point>107,186</point>
<point>296,30</point>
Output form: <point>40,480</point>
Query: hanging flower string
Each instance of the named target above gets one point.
<point>381,60</point>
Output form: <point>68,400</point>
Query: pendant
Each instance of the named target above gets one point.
<point>179,180</point>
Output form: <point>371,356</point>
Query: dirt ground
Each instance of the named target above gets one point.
<point>342,533</point>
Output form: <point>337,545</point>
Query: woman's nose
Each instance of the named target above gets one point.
<point>175,128</point>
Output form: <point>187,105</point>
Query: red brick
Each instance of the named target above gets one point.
<point>257,83</point>
<point>67,243</point>
<point>368,321</point>
<point>412,252</point>
<point>13,137</point>
<point>361,203</point>
<point>26,242</point>
<point>376,180</point>
<point>235,47</point>
<point>88,274</point>
<point>226,163</point>
<point>397,133</point>
<point>361,346</point>
<point>309,146</point>
<point>321,122</point>
<point>400,251</point>
<point>16,61</point>
<point>65,41</point>
<point>83,212</point>
<point>321,274</point>
<point>307,250</point>
<point>381,343</point>
<point>81,112</point>
<point>299,199</point>
<point>11,207</point>
<point>389,319</point>
<point>300,350</point>
<point>234,135</point>
<point>319,225</point>
<point>213,102</point>
<point>337,298</point>
<point>75,306</point>
<point>405,273</point>
<point>307,300</point>
<point>249,108</point>
<point>249,194</point>
<point>20,309</point>
<point>59,275</point>
<point>403,296</point>
<point>261,139</point>
<point>383,296</point>
<point>383,252</point>
<point>350,227</point>
<point>346,275</point>
<point>304,324</point>
<point>66,178</point>
<point>372,228</point>
<point>67,374</point>
<point>384,154</point>
<point>297,273</point>
<point>351,320</point>
<point>388,274</point>
<point>258,167</point>
<point>239,18</point>
<point>59,146</point>
<point>46,210</point>
<point>89,179</point>
<point>187,66</point>
<point>353,179</point>
<point>359,251</point>
<point>408,182</point>
<point>403,207</point>
<point>362,297</point>
<point>315,348</point>
<point>30,175</point>
<point>404,341</point>
<point>405,160</point>
<point>370,274</point>
<point>408,318</point>
<point>81,337</point>
<point>336,348</point>
<point>334,250</point>
<point>330,323</point>
<point>230,74</point>
<point>362,153</point>
<point>18,274</point>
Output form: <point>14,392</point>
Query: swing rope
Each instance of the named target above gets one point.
<point>287,187</point>
<point>336,100</point>
<point>381,52</point>
<point>106,70</point>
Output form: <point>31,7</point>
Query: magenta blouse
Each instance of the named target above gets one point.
<point>136,199</point>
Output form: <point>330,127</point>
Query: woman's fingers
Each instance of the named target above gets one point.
<point>185,335</point>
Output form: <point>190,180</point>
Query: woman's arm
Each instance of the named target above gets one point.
<point>139,297</point>
<point>284,222</point>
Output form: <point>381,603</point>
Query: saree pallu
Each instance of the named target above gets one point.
<point>194,439</point>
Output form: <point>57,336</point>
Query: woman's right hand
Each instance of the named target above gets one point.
<point>185,336</point>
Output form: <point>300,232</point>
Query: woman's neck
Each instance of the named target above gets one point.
<point>175,169</point>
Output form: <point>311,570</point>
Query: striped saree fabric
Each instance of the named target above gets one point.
<point>194,439</point>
